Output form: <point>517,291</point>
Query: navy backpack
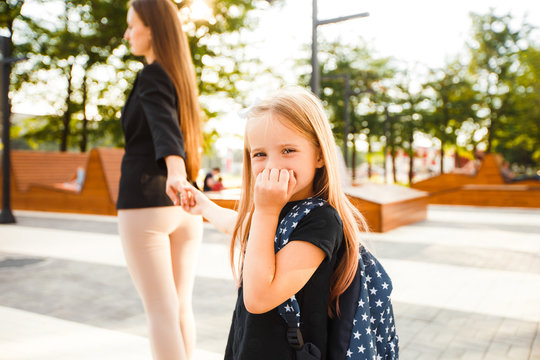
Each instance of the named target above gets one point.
<point>365,330</point>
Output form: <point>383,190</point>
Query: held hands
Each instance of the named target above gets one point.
<point>176,188</point>
<point>198,202</point>
<point>273,188</point>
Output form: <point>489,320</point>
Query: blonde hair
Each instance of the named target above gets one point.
<point>172,52</point>
<point>301,111</point>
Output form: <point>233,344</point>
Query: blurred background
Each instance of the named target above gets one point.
<point>430,85</point>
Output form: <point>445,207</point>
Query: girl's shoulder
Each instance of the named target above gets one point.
<point>322,226</point>
<point>312,209</point>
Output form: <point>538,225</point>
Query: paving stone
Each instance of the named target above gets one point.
<point>471,240</point>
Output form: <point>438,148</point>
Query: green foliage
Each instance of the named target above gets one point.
<point>495,65</point>
<point>84,44</point>
<point>366,73</point>
<point>452,101</point>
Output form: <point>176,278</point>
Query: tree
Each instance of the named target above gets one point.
<point>495,53</point>
<point>364,72</point>
<point>86,44</point>
<point>452,99</point>
<point>519,139</point>
<point>414,105</point>
<point>82,36</point>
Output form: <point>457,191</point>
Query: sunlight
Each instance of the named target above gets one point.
<point>200,10</point>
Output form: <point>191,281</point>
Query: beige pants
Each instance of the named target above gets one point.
<point>161,246</point>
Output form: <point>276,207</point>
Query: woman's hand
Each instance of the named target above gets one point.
<point>273,188</point>
<point>175,188</point>
<point>198,202</point>
<point>177,182</point>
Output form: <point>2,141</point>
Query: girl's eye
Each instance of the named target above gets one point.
<point>288,151</point>
<point>258,154</point>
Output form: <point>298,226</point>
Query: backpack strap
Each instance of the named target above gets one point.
<point>290,310</point>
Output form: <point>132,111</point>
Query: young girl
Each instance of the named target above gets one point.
<point>289,155</point>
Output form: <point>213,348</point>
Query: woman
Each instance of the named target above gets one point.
<point>161,124</point>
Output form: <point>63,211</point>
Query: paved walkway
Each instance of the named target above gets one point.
<point>466,286</point>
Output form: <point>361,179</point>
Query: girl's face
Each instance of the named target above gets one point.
<point>139,36</point>
<point>276,146</point>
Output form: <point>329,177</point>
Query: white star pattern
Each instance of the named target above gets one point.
<point>374,321</point>
<point>371,311</point>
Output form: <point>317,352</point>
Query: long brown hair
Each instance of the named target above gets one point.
<point>171,49</point>
<point>301,111</point>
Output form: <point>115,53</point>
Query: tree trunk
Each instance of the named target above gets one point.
<point>369,158</point>
<point>84,131</point>
<point>491,128</point>
<point>411,156</point>
<point>457,161</point>
<point>353,158</point>
<point>442,159</point>
<point>446,119</point>
<point>393,153</point>
<point>386,141</point>
<point>67,113</point>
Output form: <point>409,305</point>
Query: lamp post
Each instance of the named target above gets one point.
<point>6,216</point>
<point>315,76</point>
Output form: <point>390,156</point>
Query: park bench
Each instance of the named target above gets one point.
<point>485,188</point>
<point>38,178</point>
<point>385,207</point>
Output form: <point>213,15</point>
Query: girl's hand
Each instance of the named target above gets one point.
<point>198,202</point>
<point>175,188</point>
<point>273,188</point>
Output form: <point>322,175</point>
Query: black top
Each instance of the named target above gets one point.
<point>263,336</point>
<point>152,132</point>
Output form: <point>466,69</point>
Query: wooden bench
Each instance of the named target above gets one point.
<point>387,207</point>
<point>36,177</point>
<point>486,188</point>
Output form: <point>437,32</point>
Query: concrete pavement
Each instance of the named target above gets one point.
<point>466,286</point>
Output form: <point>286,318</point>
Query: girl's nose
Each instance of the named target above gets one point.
<point>126,34</point>
<point>272,164</point>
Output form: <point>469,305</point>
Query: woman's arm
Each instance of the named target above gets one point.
<point>176,180</point>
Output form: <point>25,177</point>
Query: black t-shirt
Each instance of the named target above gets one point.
<point>263,336</point>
